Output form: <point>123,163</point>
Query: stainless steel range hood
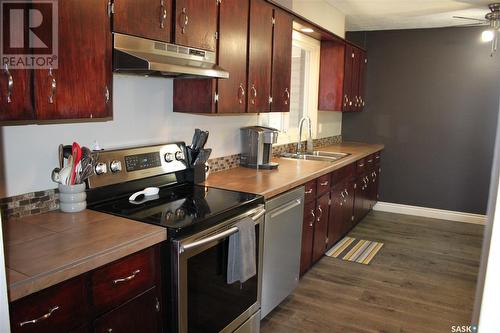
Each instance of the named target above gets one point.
<point>149,57</point>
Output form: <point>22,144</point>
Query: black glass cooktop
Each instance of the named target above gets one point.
<point>182,208</point>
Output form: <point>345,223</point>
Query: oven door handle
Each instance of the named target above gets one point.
<point>218,236</point>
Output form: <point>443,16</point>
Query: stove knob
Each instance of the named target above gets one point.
<point>115,166</point>
<point>180,213</point>
<point>169,157</point>
<point>101,168</point>
<point>179,156</point>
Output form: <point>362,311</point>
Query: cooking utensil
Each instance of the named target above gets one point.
<point>196,137</point>
<point>60,151</point>
<point>64,175</point>
<point>55,176</point>
<point>77,155</point>
<point>147,192</point>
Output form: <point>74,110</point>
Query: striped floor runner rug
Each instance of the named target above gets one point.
<point>360,251</point>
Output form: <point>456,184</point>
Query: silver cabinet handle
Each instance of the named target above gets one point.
<point>39,319</point>
<point>320,213</point>
<point>342,194</point>
<point>107,95</point>
<point>184,22</point>
<point>325,183</point>
<point>309,191</point>
<point>314,218</point>
<point>346,100</point>
<point>287,94</point>
<point>163,14</point>
<point>253,90</point>
<point>128,278</point>
<point>53,86</point>
<point>361,165</point>
<point>10,83</point>
<point>241,93</point>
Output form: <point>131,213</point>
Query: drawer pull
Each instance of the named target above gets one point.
<point>320,214</point>
<point>128,278</point>
<point>314,217</point>
<point>361,165</point>
<point>309,191</point>
<point>370,161</point>
<point>39,319</point>
<point>325,183</point>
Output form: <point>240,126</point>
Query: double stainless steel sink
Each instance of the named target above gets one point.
<point>317,156</point>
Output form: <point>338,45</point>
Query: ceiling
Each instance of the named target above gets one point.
<point>364,15</point>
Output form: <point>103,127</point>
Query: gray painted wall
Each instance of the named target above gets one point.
<point>432,99</point>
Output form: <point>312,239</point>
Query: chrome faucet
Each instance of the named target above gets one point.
<point>309,148</point>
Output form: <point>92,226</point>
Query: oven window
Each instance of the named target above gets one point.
<point>212,303</point>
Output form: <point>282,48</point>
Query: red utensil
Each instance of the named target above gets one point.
<point>77,156</point>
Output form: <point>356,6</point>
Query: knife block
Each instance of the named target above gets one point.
<point>196,174</point>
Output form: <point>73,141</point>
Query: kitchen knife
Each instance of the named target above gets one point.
<point>203,156</point>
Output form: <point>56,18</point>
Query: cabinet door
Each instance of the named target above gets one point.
<point>331,76</point>
<point>356,62</point>
<point>362,78</point>
<point>321,226</point>
<point>81,86</point>
<point>282,62</point>
<point>233,32</point>
<point>259,56</point>
<point>16,102</point>
<point>196,23</point>
<point>136,316</point>
<point>60,308</point>
<point>336,220</point>
<point>307,236</point>
<point>145,18</point>
<point>348,78</point>
<point>359,199</point>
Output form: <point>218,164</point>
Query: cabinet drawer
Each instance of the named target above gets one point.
<point>344,173</point>
<point>310,191</point>
<point>323,184</point>
<point>56,309</point>
<point>360,166</point>
<point>139,315</point>
<point>123,279</point>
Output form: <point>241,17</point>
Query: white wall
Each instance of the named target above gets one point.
<point>142,115</point>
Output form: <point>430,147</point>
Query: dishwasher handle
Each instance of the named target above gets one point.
<point>217,236</point>
<point>286,207</point>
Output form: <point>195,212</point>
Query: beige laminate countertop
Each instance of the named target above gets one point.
<point>290,173</point>
<point>46,249</point>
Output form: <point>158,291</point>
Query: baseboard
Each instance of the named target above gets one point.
<point>431,213</point>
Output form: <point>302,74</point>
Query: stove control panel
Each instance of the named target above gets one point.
<point>122,165</point>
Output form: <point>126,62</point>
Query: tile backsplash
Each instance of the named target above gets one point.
<point>44,201</point>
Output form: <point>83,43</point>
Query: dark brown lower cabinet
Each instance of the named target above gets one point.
<point>141,314</point>
<point>123,296</point>
<point>330,213</point>
<point>307,236</point>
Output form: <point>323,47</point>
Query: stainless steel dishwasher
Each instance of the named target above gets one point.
<point>282,242</point>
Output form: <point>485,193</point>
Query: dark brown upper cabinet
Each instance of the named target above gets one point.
<point>146,18</point>
<point>331,75</point>
<point>196,23</point>
<point>260,52</point>
<point>221,95</point>
<point>233,37</point>
<point>282,61</point>
<point>342,77</point>
<point>81,85</point>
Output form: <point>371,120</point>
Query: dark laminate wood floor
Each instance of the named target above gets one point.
<point>423,280</point>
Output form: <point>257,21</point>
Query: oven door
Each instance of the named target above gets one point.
<point>205,302</point>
